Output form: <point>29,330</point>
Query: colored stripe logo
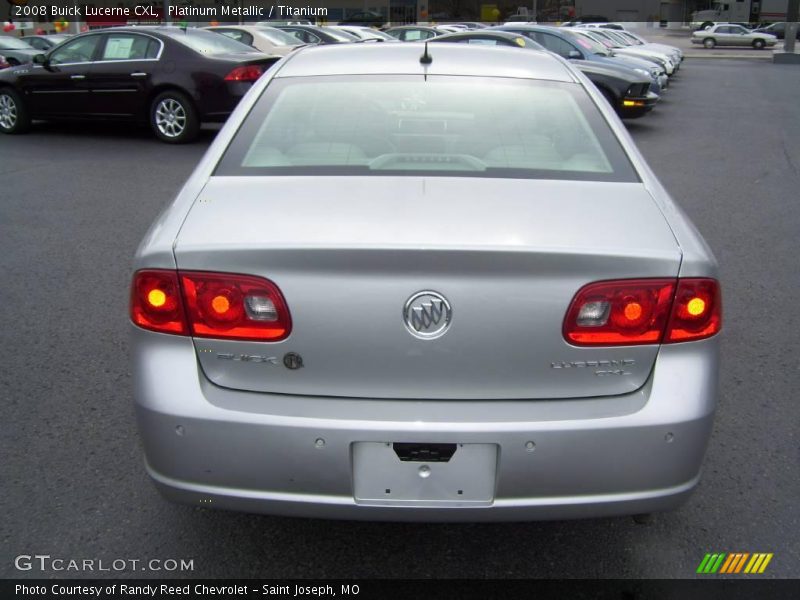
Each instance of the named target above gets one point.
<point>734,562</point>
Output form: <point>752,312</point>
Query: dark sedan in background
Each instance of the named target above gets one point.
<point>778,30</point>
<point>172,78</point>
<point>625,89</point>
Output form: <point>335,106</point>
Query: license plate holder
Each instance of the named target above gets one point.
<point>381,478</point>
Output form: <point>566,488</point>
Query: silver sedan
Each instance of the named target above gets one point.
<point>425,283</point>
<point>269,40</point>
<point>729,34</point>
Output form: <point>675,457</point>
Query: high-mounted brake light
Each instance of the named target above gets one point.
<point>643,311</point>
<point>245,73</point>
<point>211,305</point>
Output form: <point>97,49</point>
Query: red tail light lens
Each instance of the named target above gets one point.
<point>156,302</point>
<point>245,73</point>
<point>643,311</point>
<point>241,307</point>
<point>217,305</point>
<point>620,313</point>
<point>697,312</point>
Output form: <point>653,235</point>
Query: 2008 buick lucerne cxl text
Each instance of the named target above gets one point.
<point>413,284</point>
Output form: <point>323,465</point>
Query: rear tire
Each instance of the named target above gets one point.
<point>758,44</point>
<point>173,118</point>
<point>709,43</point>
<point>14,117</point>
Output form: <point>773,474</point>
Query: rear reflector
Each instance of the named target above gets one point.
<point>643,311</point>
<point>245,73</point>
<point>210,305</point>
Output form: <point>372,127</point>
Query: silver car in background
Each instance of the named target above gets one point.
<point>269,40</point>
<point>425,283</point>
<point>730,34</point>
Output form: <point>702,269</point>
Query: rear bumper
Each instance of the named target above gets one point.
<point>216,103</point>
<point>219,448</point>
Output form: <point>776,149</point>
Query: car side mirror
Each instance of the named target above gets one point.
<point>574,54</point>
<point>40,59</point>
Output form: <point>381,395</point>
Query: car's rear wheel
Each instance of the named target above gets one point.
<point>174,118</point>
<point>14,117</point>
<point>758,44</point>
<point>709,43</point>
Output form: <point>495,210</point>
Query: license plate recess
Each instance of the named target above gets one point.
<point>467,478</point>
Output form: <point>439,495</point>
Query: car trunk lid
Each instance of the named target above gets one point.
<point>348,253</point>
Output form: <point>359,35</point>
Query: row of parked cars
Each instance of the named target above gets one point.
<point>630,72</point>
<point>176,78</point>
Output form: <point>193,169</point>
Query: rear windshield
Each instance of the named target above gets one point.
<point>590,43</point>
<point>278,37</point>
<point>463,126</point>
<point>337,34</point>
<point>367,33</point>
<point>208,42</point>
<point>11,43</point>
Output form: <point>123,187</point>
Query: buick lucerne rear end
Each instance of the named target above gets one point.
<point>410,284</point>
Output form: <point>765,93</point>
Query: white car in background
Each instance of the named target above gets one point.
<point>363,32</point>
<point>269,40</point>
<point>617,26</point>
<point>620,46</point>
<point>638,40</point>
<point>450,28</point>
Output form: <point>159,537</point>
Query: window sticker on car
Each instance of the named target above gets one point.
<point>118,48</point>
<point>585,44</point>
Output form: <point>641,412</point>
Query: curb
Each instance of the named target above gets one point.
<point>761,56</point>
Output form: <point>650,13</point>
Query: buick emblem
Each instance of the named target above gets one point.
<point>427,315</point>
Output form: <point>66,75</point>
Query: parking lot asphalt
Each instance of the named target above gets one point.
<point>75,202</point>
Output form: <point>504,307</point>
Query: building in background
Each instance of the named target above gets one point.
<point>398,12</point>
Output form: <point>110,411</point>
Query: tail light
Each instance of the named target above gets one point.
<point>156,302</point>
<point>643,311</point>
<point>697,312</point>
<point>211,305</point>
<point>245,73</point>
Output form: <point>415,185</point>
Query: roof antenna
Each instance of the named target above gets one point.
<point>425,59</point>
